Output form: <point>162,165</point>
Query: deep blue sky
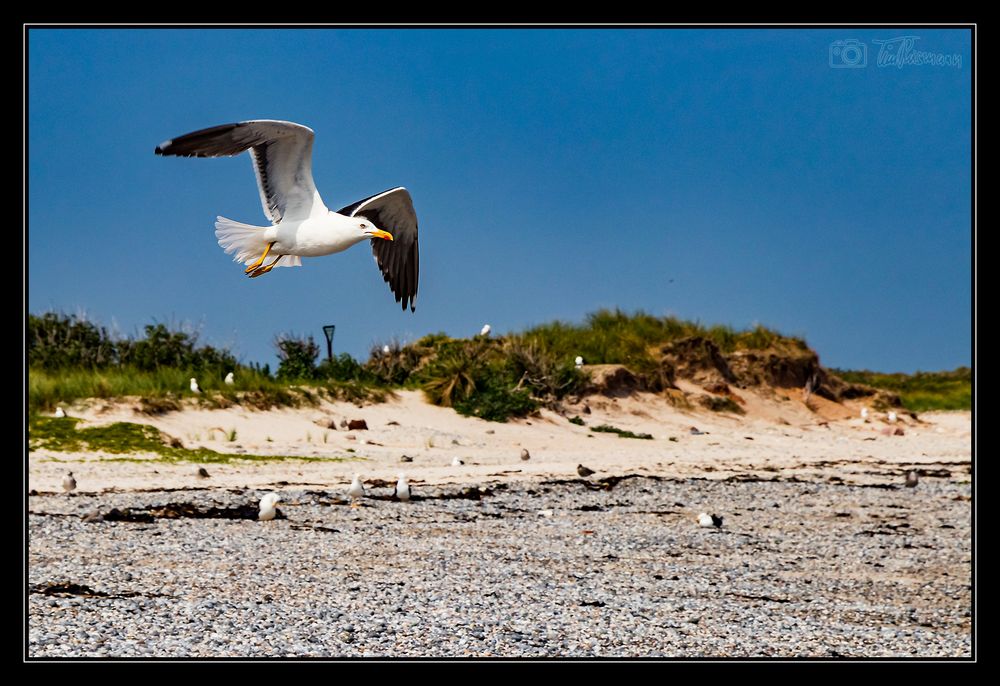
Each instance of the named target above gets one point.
<point>729,176</point>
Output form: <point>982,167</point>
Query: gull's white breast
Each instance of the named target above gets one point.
<point>315,236</point>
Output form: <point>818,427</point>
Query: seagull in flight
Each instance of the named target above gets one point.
<point>301,225</point>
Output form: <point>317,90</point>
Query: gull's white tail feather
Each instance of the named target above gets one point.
<point>248,242</point>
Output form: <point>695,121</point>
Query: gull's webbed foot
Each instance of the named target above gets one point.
<point>256,265</point>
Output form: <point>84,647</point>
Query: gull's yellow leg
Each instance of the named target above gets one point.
<point>264,270</point>
<point>261,260</point>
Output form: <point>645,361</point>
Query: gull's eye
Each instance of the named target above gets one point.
<point>364,226</point>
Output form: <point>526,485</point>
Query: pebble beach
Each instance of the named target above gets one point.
<point>823,551</point>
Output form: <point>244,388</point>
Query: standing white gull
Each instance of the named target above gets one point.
<point>268,507</point>
<point>229,379</point>
<point>59,413</point>
<point>302,226</point>
<point>356,491</point>
<point>194,385</point>
<point>402,490</point>
<point>485,331</point>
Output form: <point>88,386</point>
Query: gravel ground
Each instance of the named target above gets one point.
<point>797,569</point>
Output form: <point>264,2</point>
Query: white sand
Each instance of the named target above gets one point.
<point>789,441</point>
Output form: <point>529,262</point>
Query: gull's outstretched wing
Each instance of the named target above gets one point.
<point>398,259</point>
<point>282,160</point>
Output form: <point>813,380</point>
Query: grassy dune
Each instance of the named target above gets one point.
<point>921,391</point>
<point>489,377</point>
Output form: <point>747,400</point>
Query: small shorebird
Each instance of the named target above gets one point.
<point>202,473</point>
<point>525,455</point>
<point>402,490</point>
<point>457,462</point>
<point>583,471</point>
<point>356,491</point>
<point>229,379</point>
<point>707,520</point>
<point>268,507</point>
<point>194,385</point>
<point>68,482</point>
<point>912,478</point>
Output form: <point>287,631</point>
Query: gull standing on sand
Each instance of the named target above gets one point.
<point>268,507</point>
<point>301,225</point>
<point>892,416</point>
<point>864,413</point>
<point>402,490</point>
<point>68,482</point>
<point>229,379</point>
<point>456,461</point>
<point>194,385</point>
<point>59,412</point>
<point>356,491</point>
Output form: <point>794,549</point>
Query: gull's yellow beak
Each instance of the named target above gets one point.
<point>378,233</point>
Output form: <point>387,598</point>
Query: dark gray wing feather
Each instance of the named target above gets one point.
<point>282,160</point>
<point>398,259</point>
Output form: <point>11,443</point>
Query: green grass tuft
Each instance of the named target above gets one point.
<point>622,433</point>
<point>59,434</point>
<point>721,404</point>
